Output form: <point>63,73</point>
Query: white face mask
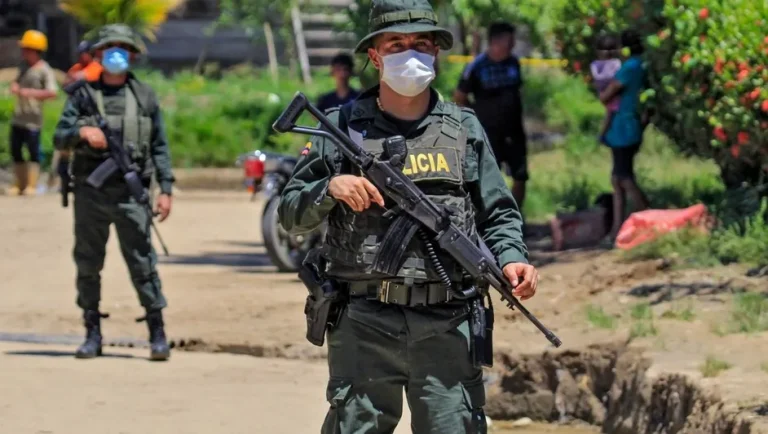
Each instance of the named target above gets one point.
<point>408,73</point>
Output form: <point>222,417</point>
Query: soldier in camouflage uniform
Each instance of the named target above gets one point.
<point>132,108</point>
<point>404,331</point>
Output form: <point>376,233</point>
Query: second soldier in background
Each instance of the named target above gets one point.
<point>130,107</point>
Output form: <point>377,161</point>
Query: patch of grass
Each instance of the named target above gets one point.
<point>749,314</point>
<point>643,324</point>
<point>679,313</point>
<point>599,318</point>
<point>712,367</point>
<point>687,247</point>
<point>641,329</point>
<point>718,329</point>
<point>764,367</point>
<point>641,311</point>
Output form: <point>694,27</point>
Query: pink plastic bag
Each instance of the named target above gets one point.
<point>648,225</point>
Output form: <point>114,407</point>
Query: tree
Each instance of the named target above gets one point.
<point>257,17</point>
<point>537,16</point>
<point>144,16</point>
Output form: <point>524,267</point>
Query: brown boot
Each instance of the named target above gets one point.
<point>20,179</point>
<point>33,174</point>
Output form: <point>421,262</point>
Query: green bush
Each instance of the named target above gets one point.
<point>209,122</point>
<point>582,21</point>
<point>708,76</point>
<point>706,63</point>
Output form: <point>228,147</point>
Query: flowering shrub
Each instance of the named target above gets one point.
<point>708,69</point>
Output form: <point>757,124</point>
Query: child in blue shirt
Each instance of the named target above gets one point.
<point>603,71</point>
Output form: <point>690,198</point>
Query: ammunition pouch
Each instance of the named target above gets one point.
<point>326,300</point>
<point>389,258</point>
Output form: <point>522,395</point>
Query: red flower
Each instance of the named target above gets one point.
<point>735,151</point>
<point>764,106</point>
<point>743,137</point>
<point>591,21</point>
<point>744,100</point>
<point>719,66</point>
<point>702,38</point>
<point>765,41</point>
<point>754,95</point>
<point>743,66</point>
<point>730,85</point>
<point>686,58</point>
<point>710,103</point>
<point>577,66</point>
<point>719,133</point>
<point>704,14</point>
<point>743,75</point>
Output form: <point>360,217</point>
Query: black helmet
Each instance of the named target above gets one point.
<point>84,47</point>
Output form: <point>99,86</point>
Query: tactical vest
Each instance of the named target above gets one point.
<point>134,126</point>
<point>435,163</point>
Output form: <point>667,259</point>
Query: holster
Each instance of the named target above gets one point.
<point>481,328</point>
<point>325,302</point>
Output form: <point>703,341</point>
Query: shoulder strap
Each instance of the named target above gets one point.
<point>97,97</point>
<point>131,103</point>
<point>451,120</point>
<point>142,96</point>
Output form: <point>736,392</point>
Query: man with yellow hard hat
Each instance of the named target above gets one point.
<point>34,84</point>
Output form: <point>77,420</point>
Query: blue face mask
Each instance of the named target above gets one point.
<point>116,60</point>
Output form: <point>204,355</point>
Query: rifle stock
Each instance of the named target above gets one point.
<point>395,185</point>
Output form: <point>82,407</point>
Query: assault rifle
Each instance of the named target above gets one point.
<point>415,211</point>
<point>119,159</point>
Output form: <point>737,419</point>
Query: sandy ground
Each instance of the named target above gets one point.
<point>222,289</point>
<point>46,390</point>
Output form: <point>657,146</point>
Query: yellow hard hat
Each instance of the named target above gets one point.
<point>34,40</point>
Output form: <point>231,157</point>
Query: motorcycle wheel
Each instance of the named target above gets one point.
<point>281,248</point>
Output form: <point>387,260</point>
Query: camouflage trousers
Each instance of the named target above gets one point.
<point>378,350</point>
<point>95,211</point>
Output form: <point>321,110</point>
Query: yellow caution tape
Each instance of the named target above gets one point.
<point>531,61</point>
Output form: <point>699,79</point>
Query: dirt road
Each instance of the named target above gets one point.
<point>223,291</point>
<point>46,390</point>
<point>220,288</point>
<point>218,281</point>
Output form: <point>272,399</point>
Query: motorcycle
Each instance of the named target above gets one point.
<point>268,173</point>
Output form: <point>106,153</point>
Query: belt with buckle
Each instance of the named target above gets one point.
<point>419,294</point>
